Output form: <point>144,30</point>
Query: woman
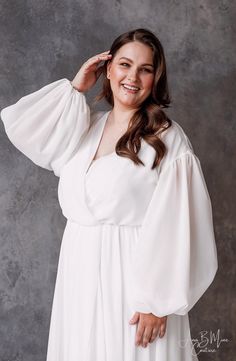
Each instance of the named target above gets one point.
<point>138,250</point>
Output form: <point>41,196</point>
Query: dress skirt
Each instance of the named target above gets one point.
<point>92,301</point>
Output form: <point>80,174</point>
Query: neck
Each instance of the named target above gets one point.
<point>121,115</point>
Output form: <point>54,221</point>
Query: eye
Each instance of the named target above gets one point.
<point>124,64</point>
<point>147,70</point>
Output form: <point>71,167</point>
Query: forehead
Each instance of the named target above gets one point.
<point>136,51</point>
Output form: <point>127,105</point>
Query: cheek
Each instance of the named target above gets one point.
<point>148,82</point>
<point>117,74</point>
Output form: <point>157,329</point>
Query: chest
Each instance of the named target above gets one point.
<point>111,189</point>
<point>110,136</point>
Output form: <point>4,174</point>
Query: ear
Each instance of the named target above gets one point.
<point>108,67</point>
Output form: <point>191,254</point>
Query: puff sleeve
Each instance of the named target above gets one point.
<point>175,259</point>
<point>48,124</point>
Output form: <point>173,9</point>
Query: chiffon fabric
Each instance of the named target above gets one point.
<point>136,239</point>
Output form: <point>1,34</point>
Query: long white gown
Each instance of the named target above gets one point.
<point>136,239</point>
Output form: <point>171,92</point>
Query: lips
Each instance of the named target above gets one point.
<point>130,87</point>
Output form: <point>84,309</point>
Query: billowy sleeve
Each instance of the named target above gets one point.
<point>48,124</point>
<point>175,260</point>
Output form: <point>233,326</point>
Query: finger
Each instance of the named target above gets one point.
<point>154,334</point>
<point>100,57</point>
<point>104,56</point>
<point>139,334</point>
<point>135,318</point>
<point>162,329</point>
<point>146,336</point>
<point>96,60</point>
<point>105,52</point>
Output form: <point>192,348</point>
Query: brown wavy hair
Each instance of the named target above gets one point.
<point>149,120</point>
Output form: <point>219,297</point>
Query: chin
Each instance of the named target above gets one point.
<point>129,102</point>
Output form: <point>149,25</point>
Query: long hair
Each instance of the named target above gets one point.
<point>149,120</point>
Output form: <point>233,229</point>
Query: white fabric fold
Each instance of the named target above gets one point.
<point>175,259</point>
<point>48,124</point>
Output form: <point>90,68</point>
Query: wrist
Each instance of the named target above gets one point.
<point>74,86</point>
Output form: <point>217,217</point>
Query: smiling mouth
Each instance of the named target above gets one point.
<point>129,87</point>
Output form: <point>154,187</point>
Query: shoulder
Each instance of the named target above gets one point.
<point>177,143</point>
<point>96,115</point>
<point>176,139</point>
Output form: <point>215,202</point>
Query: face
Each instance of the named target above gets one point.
<point>131,74</point>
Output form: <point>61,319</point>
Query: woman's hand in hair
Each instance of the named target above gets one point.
<point>90,72</point>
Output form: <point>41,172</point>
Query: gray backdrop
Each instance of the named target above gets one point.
<point>42,41</point>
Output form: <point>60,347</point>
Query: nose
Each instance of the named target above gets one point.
<point>132,76</point>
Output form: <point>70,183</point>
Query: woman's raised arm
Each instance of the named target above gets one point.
<point>47,125</point>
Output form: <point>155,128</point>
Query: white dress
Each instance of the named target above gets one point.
<point>136,239</point>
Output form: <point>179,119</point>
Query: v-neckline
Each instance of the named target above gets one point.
<point>95,161</point>
<point>98,141</point>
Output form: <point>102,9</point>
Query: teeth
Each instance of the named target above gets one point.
<point>130,87</point>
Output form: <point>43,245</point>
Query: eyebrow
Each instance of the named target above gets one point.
<point>123,57</point>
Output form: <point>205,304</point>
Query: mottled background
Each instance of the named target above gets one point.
<point>42,41</point>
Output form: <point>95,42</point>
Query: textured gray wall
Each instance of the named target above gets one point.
<point>42,41</point>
